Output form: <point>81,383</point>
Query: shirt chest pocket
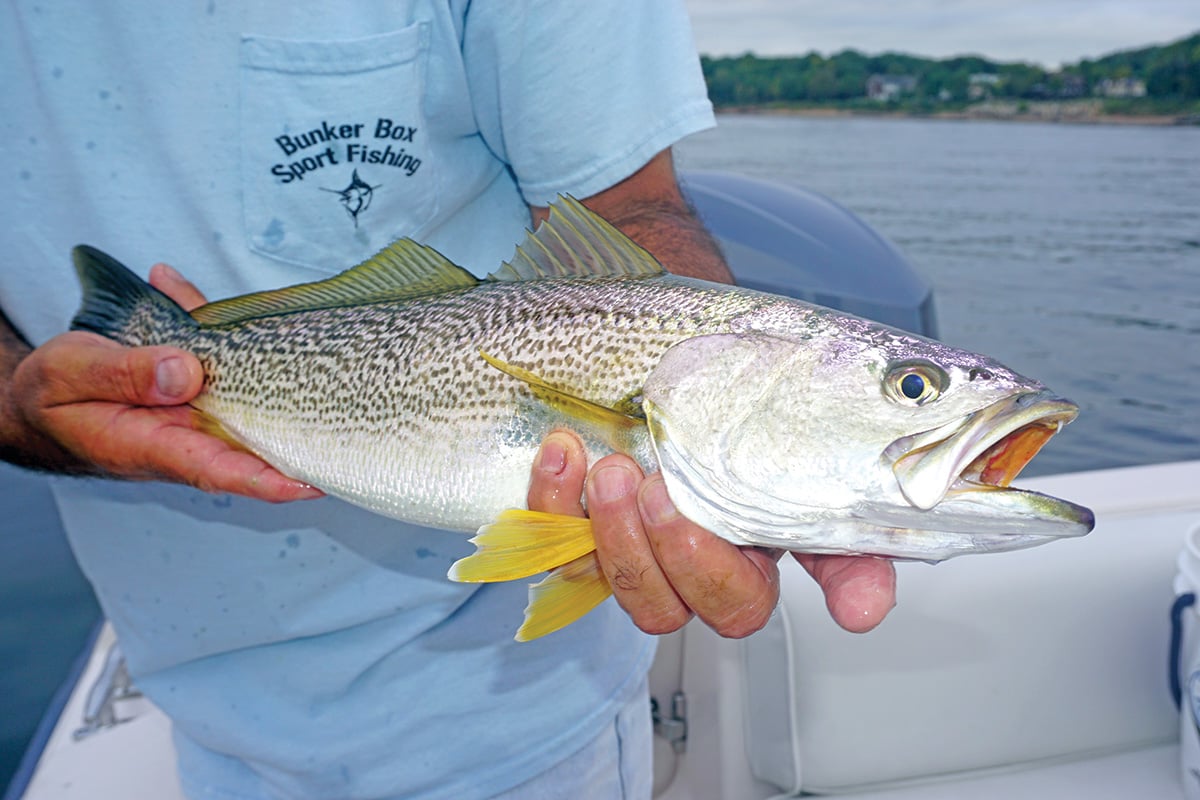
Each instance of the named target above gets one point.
<point>336,158</point>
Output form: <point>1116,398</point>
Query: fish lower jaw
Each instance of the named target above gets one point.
<point>974,518</point>
<point>907,544</point>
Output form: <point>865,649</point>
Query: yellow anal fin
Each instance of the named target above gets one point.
<point>618,424</point>
<point>563,596</point>
<point>522,543</point>
<point>210,425</point>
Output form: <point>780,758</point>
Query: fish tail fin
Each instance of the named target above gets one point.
<point>113,297</point>
<point>523,543</point>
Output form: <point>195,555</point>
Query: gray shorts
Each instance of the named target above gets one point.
<point>616,765</point>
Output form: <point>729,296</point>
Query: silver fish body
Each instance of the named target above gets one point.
<point>775,422</point>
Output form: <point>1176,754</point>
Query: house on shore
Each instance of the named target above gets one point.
<point>1121,87</point>
<point>981,84</point>
<point>885,88</point>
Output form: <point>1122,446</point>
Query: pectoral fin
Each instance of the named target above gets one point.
<point>617,425</point>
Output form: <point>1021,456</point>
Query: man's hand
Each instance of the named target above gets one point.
<point>663,569</point>
<point>83,404</point>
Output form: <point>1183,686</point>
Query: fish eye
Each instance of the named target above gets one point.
<point>913,386</point>
<point>915,382</point>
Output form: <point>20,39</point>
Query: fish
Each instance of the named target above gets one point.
<point>407,386</point>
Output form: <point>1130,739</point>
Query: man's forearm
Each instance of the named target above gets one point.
<point>21,443</point>
<point>677,238</point>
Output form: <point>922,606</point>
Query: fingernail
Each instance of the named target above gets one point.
<point>553,456</point>
<point>167,271</point>
<point>171,377</point>
<point>656,503</point>
<point>612,483</point>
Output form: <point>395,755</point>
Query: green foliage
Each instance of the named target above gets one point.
<point>1170,72</point>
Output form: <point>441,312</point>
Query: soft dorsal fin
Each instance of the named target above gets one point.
<point>577,243</point>
<point>401,271</point>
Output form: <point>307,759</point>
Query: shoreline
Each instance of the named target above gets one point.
<point>1066,112</point>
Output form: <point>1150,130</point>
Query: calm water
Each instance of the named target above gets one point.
<point>1070,253</point>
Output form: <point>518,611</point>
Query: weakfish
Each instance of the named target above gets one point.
<point>409,387</point>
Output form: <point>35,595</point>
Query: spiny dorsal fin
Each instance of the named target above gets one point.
<point>577,243</point>
<point>401,271</point>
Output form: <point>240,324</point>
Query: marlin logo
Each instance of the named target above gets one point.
<point>356,198</point>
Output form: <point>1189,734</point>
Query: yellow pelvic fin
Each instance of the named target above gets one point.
<point>522,543</point>
<point>616,424</point>
<point>563,596</point>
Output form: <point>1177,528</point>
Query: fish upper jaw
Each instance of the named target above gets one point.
<point>981,452</point>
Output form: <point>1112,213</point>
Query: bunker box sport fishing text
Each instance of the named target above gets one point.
<point>343,144</point>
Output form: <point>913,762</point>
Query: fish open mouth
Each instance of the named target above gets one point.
<point>985,451</point>
<point>1000,464</point>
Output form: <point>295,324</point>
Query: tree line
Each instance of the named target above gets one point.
<point>1169,72</point>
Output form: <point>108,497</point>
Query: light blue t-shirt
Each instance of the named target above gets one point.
<point>313,649</point>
